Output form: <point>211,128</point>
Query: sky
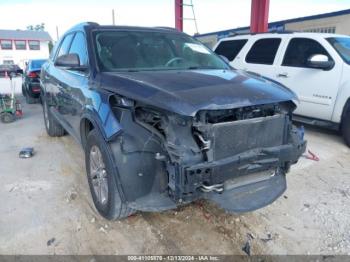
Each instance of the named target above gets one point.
<point>212,15</point>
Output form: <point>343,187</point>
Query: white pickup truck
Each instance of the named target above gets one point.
<point>315,66</point>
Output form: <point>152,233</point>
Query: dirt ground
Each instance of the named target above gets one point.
<point>46,206</point>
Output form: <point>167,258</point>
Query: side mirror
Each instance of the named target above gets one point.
<point>69,61</point>
<point>320,62</point>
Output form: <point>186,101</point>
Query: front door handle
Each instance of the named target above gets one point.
<point>285,75</point>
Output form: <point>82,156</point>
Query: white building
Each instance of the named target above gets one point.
<point>18,46</point>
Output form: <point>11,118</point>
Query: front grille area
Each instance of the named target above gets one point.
<point>231,138</point>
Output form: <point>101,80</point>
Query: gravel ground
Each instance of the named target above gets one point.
<point>46,206</point>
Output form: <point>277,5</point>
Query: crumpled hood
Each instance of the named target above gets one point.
<point>187,92</point>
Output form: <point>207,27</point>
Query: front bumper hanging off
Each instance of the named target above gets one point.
<point>243,169</point>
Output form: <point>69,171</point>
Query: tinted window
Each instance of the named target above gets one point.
<point>263,51</point>
<point>34,45</point>
<point>230,49</point>
<point>79,47</point>
<point>20,44</point>
<point>65,45</point>
<point>299,51</point>
<point>6,44</point>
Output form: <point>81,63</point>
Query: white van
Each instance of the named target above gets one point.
<point>315,66</point>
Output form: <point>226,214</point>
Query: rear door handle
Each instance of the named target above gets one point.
<point>285,75</point>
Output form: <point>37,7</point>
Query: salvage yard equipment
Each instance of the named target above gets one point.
<point>10,108</point>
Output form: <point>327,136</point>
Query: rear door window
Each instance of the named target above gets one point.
<point>231,48</point>
<point>263,51</point>
<point>299,50</point>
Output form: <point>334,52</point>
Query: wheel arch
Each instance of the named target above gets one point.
<point>346,110</point>
<point>341,103</point>
<point>107,125</point>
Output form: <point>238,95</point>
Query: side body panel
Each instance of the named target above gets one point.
<point>343,95</point>
<point>317,90</point>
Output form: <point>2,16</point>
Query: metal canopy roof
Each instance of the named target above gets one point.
<point>25,35</point>
<point>283,22</point>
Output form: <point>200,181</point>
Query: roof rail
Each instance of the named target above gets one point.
<point>167,28</point>
<point>93,23</point>
<point>269,32</point>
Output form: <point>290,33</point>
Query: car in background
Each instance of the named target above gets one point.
<point>10,70</point>
<point>316,66</point>
<point>31,81</point>
<point>164,121</point>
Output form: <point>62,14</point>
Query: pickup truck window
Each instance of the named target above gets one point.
<point>230,48</point>
<point>151,51</point>
<point>342,46</point>
<point>299,50</point>
<point>263,51</point>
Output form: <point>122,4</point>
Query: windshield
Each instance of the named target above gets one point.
<point>342,46</point>
<point>143,51</point>
<point>37,63</point>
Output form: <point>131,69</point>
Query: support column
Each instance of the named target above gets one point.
<point>259,17</point>
<point>179,15</point>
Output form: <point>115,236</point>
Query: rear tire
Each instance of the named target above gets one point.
<point>53,128</point>
<point>30,100</point>
<point>102,177</point>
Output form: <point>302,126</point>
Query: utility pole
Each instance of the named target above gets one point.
<point>113,17</point>
<point>57,35</point>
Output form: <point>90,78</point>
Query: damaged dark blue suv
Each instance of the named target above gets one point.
<point>164,121</point>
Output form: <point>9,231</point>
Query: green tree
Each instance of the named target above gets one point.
<point>38,27</point>
<point>50,46</point>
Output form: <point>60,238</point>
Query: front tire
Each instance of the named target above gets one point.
<point>345,129</point>
<point>53,128</point>
<point>102,178</point>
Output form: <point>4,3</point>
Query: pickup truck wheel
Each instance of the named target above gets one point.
<point>30,100</point>
<point>102,178</point>
<point>345,129</point>
<point>53,128</point>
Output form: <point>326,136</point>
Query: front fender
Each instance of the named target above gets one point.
<point>100,114</point>
<point>342,97</point>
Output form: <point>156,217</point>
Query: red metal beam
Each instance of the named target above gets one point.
<point>179,15</point>
<point>259,17</point>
